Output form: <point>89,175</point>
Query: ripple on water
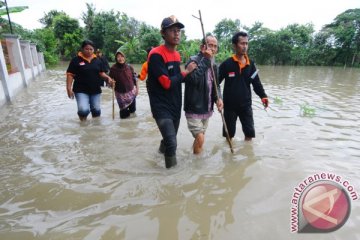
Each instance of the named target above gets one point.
<point>103,178</point>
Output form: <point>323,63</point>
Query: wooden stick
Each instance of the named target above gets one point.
<point>216,89</point>
<point>113,101</point>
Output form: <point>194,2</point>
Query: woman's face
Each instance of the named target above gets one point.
<point>120,58</point>
<point>88,50</point>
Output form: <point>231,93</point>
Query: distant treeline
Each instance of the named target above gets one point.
<point>336,44</point>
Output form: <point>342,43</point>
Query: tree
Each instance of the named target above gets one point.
<point>71,43</point>
<point>188,48</point>
<point>89,17</point>
<point>321,51</point>
<point>104,31</point>
<point>346,31</point>
<point>131,49</point>
<point>149,36</point>
<point>48,19</point>
<point>62,25</point>
<point>46,42</point>
<point>226,28</point>
<point>3,10</point>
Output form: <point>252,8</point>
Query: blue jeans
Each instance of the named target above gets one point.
<point>169,129</point>
<point>88,103</point>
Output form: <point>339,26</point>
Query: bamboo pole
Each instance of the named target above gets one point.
<point>216,89</point>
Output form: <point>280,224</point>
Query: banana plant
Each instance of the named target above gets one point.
<point>11,9</point>
<point>5,10</point>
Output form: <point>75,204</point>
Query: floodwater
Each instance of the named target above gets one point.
<point>104,179</point>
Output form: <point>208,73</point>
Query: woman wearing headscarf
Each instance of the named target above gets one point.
<point>126,85</point>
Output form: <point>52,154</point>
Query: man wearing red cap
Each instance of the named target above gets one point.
<point>164,86</point>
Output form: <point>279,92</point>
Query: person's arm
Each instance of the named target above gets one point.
<point>143,72</point>
<point>70,74</point>
<point>137,88</point>
<point>161,72</point>
<point>258,87</point>
<point>69,83</point>
<point>203,65</point>
<point>136,82</point>
<point>108,79</point>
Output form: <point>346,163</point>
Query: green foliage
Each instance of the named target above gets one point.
<point>131,49</point>
<point>88,17</point>
<point>49,17</point>
<point>226,28</point>
<point>338,43</point>
<point>149,36</point>
<point>12,10</point>
<point>63,24</point>
<point>46,43</point>
<point>345,30</point>
<point>278,100</point>
<point>307,110</point>
<point>188,49</point>
<point>71,43</point>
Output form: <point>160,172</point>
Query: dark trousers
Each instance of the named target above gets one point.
<point>168,129</point>
<point>130,109</point>
<point>245,115</point>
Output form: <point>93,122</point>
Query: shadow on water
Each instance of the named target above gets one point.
<point>104,179</point>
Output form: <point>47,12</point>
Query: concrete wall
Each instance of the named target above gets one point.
<point>20,63</point>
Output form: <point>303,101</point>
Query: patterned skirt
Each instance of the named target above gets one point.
<point>125,99</point>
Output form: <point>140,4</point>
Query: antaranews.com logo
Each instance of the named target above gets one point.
<point>321,203</point>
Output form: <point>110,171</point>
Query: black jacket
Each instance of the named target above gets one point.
<point>237,90</point>
<point>164,83</point>
<point>196,98</point>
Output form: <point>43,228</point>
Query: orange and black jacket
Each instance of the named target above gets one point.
<point>164,83</point>
<point>86,74</point>
<point>238,78</point>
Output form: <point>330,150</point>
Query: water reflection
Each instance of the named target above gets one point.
<point>103,179</point>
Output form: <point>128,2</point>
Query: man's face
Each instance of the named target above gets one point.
<point>172,35</point>
<point>242,46</point>
<point>212,44</point>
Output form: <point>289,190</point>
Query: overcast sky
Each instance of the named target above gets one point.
<point>274,14</point>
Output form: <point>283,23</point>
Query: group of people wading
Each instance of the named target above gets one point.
<point>202,78</point>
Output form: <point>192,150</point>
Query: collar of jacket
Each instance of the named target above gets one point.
<point>80,54</point>
<point>241,65</point>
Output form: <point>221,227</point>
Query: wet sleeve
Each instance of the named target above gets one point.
<point>257,85</point>
<point>161,72</point>
<point>196,76</point>
<point>221,74</point>
<point>143,72</point>
<point>72,68</point>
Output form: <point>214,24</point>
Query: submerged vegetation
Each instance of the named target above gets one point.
<point>307,111</point>
<point>336,44</point>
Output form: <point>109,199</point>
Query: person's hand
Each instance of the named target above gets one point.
<point>137,91</point>
<point>208,53</point>
<point>219,104</point>
<point>265,102</point>
<point>111,82</point>
<point>70,93</point>
<point>190,67</point>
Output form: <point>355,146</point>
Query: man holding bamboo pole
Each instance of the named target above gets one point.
<point>200,93</point>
